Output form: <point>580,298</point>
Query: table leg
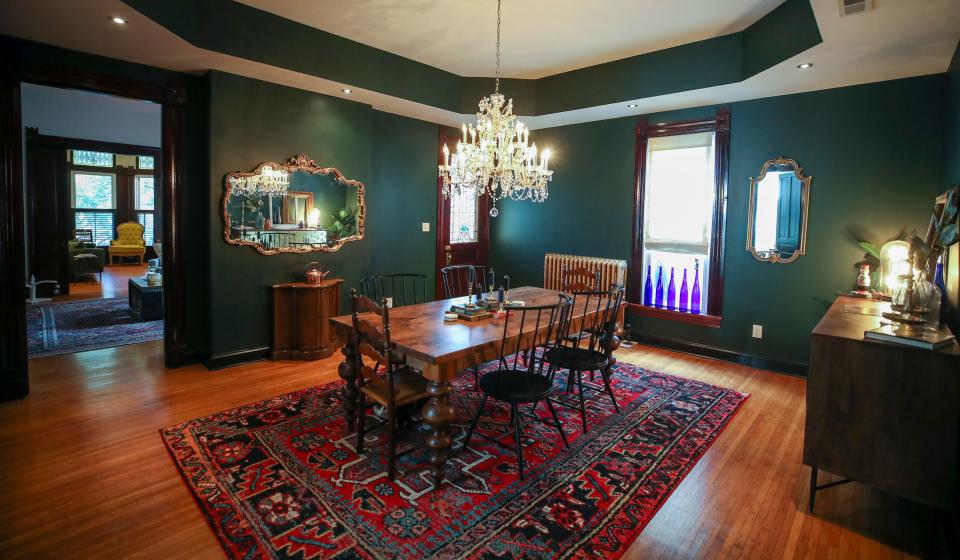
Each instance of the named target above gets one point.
<point>348,372</point>
<point>438,412</point>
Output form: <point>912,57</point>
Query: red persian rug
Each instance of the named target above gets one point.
<point>280,478</point>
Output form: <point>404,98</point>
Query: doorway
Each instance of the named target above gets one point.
<point>21,65</point>
<point>94,223</point>
<point>463,226</point>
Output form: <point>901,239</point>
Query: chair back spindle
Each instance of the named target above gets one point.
<point>402,289</point>
<point>456,279</point>
<point>579,279</point>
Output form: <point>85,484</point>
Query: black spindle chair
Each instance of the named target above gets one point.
<point>456,279</point>
<point>401,385</point>
<point>590,348</point>
<point>402,288</point>
<point>523,328</point>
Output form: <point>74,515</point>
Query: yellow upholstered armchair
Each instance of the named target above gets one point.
<point>129,242</point>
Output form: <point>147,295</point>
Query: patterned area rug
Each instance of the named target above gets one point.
<point>86,324</point>
<point>281,479</point>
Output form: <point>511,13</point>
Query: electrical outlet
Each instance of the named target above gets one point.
<point>758,331</point>
<point>425,226</point>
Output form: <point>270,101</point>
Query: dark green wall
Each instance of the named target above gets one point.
<point>405,184</point>
<point>874,153</point>
<point>252,122</point>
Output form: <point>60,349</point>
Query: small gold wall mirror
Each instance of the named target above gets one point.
<point>779,206</point>
<point>294,207</point>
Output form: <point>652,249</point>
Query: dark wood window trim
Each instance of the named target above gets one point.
<point>720,125</point>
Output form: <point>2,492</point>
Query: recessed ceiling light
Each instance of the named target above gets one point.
<point>632,106</point>
<point>346,90</point>
<point>118,20</point>
<point>805,65</point>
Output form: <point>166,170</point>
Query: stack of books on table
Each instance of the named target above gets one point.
<point>928,339</point>
<point>471,312</point>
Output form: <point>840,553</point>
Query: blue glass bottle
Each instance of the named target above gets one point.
<point>659,286</point>
<point>648,289</point>
<point>671,293</point>
<point>695,293</point>
<point>684,295</point>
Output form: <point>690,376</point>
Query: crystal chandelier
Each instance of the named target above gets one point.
<point>495,157</point>
<point>269,182</point>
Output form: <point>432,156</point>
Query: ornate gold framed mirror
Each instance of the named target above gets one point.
<point>293,207</point>
<point>778,214</point>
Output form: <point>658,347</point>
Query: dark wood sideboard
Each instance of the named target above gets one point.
<point>882,414</point>
<point>301,320</point>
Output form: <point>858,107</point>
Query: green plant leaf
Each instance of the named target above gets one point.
<point>871,249</point>
<point>949,235</point>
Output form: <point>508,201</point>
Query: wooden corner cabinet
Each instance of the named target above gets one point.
<point>879,413</point>
<point>301,320</point>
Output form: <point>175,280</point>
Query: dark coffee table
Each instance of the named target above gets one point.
<point>145,301</point>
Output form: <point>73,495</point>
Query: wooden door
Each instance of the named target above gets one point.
<point>463,225</point>
<point>48,219</point>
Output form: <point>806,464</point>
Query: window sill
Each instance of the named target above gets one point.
<point>711,321</point>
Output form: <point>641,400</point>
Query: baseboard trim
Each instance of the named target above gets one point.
<point>221,361</point>
<point>707,351</point>
<point>14,384</point>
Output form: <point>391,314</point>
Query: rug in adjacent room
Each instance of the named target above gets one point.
<point>280,478</point>
<point>86,324</point>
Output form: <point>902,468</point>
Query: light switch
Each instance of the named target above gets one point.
<point>425,226</point>
<point>757,331</point>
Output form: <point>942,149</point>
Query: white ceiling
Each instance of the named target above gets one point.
<point>898,39</point>
<point>539,37</point>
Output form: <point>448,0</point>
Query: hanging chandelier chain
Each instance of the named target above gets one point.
<point>496,88</point>
<point>495,157</point>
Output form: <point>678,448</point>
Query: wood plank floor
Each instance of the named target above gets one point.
<point>111,284</point>
<point>85,474</point>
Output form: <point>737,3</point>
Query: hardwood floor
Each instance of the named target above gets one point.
<point>85,473</point>
<point>113,284</point>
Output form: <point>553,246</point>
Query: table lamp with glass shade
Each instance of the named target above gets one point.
<point>894,257</point>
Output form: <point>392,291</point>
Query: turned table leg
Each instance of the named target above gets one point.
<point>438,412</point>
<point>348,372</point>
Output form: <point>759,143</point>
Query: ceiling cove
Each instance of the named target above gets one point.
<point>245,32</point>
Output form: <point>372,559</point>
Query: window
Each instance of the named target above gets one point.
<point>463,216</point>
<point>678,235</point>
<point>145,162</point>
<point>143,197</point>
<point>92,159</point>
<point>94,198</point>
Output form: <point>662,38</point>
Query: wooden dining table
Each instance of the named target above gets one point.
<point>440,350</point>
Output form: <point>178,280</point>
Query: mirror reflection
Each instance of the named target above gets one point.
<point>777,221</point>
<point>295,207</point>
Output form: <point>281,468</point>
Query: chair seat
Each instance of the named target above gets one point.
<point>515,386</point>
<point>127,248</point>
<point>581,359</point>
<point>408,386</point>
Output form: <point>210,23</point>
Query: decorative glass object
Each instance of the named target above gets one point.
<point>145,162</point>
<point>863,279</point>
<point>659,298</point>
<point>684,295</point>
<point>495,156</point>
<point>648,289</point>
<point>893,264</point>
<point>672,293</point>
<point>695,294</point>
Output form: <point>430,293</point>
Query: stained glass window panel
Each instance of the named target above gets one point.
<point>93,190</point>
<point>463,217</point>
<point>95,159</point>
<point>144,192</point>
<point>144,162</point>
